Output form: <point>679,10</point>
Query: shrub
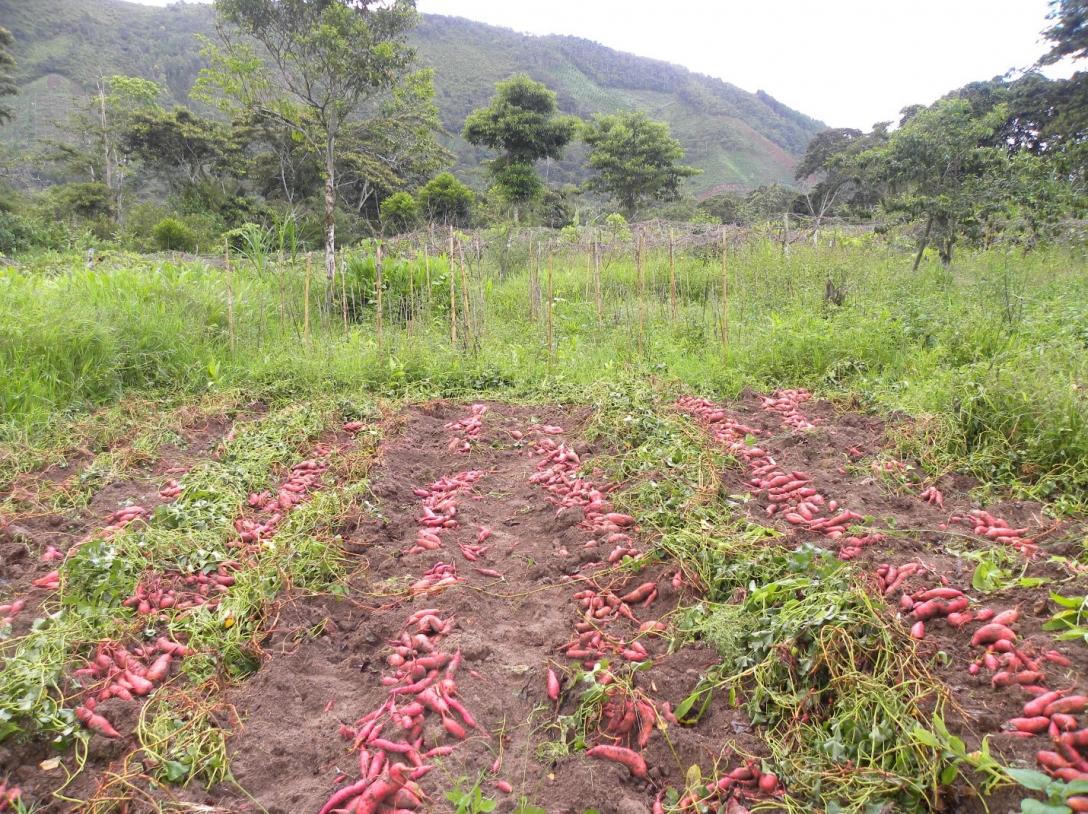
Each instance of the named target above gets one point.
<point>399,211</point>
<point>172,235</point>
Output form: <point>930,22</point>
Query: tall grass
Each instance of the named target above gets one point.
<point>993,351</point>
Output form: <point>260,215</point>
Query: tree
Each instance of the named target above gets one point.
<point>92,148</point>
<point>323,65</point>
<point>941,167</point>
<point>7,78</point>
<point>446,200</point>
<point>1069,33</point>
<point>636,160</point>
<point>180,147</point>
<point>523,123</point>
<point>831,160</point>
<point>399,211</point>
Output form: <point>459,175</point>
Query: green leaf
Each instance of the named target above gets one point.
<point>1029,778</point>
<point>1072,602</point>
<point>1037,807</point>
<point>925,737</point>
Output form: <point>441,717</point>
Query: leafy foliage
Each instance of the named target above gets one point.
<point>522,122</point>
<point>636,160</point>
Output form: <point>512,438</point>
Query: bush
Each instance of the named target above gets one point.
<point>399,211</point>
<point>172,235</point>
<point>17,234</point>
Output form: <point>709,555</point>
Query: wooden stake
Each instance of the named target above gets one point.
<point>597,280</point>
<point>378,292</point>
<point>453,296</point>
<point>551,305</point>
<point>230,296</point>
<point>672,278</point>
<point>466,310</point>
<point>725,295</point>
<point>344,291</point>
<point>306,299</point>
<point>639,246</point>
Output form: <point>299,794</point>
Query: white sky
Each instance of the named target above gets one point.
<point>848,62</point>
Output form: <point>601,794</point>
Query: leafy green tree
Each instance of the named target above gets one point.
<point>94,133</point>
<point>1069,32</point>
<point>400,211</point>
<point>523,123</point>
<point>179,147</point>
<point>318,68</point>
<point>941,168</point>
<point>7,78</point>
<point>636,160</point>
<point>446,200</point>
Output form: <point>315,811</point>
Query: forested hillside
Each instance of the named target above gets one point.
<point>735,137</point>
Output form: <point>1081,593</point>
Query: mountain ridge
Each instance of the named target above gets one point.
<point>739,139</point>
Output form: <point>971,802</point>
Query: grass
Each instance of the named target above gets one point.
<point>991,355</point>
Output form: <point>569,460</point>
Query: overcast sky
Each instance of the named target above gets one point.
<point>848,62</point>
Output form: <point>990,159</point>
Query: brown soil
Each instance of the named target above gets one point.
<point>326,656</point>
<point>288,754</point>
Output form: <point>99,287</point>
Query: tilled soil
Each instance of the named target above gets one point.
<point>289,754</point>
<point>512,565</point>
<point>844,455</point>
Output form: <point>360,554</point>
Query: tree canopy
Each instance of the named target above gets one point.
<point>636,160</point>
<point>317,67</point>
<point>523,123</point>
<point>7,76</point>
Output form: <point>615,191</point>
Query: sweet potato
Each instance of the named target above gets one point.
<point>1069,704</point>
<point>993,632</point>
<point>619,754</point>
<point>553,685</point>
<point>1034,725</point>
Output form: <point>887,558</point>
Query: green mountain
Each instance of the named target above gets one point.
<point>738,139</point>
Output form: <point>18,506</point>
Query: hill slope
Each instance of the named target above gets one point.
<point>737,138</point>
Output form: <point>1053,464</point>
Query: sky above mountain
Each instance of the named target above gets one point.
<point>849,63</point>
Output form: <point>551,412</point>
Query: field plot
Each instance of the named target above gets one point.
<point>650,604</point>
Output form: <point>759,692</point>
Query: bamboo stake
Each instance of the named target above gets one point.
<point>639,247</point>
<point>344,291</point>
<point>465,303</point>
<point>551,305</point>
<point>672,278</point>
<point>378,292</point>
<point>230,296</point>
<point>597,280</point>
<point>725,296</point>
<point>453,296</point>
<point>306,299</point>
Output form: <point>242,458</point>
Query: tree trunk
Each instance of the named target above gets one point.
<point>923,244</point>
<point>330,212</point>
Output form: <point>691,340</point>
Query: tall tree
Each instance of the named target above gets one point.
<point>7,78</point>
<point>636,160</point>
<point>179,147</point>
<point>941,167</point>
<point>319,67</point>
<point>524,124</point>
<point>1069,32</point>
<point>92,148</point>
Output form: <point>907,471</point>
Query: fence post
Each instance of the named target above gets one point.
<point>306,299</point>
<point>597,279</point>
<point>672,277</point>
